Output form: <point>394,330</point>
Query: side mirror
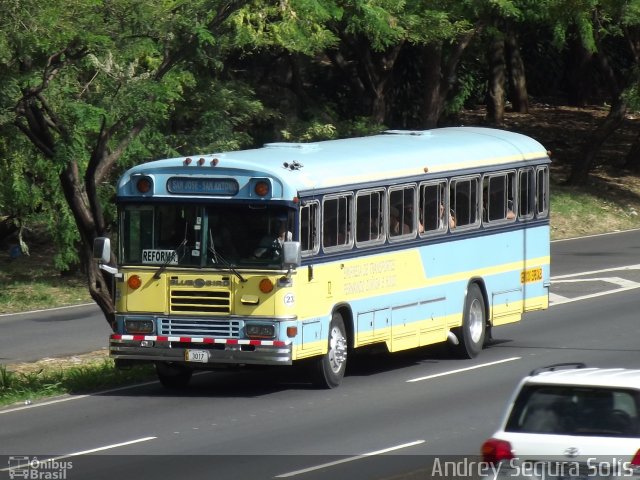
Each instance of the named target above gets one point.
<point>291,255</point>
<point>102,249</point>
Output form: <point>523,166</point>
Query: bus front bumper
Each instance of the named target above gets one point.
<point>199,352</point>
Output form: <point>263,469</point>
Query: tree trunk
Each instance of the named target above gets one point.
<point>517,76</point>
<point>580,61</point>
<point>580,170</point>
<point>86,221</point>
<point>632,160</point>
<point>496,90</point>
<point>440,75</point>
<point>433,101</point>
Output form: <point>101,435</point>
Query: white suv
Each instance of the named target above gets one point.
<point>570,421</point>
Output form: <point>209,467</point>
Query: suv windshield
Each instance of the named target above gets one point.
<point>220,235</point>
<point>576,410</point>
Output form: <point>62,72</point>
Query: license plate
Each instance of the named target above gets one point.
<point>201,356</point>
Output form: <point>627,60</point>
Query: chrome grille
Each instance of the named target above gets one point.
<point>204,301</point>
<point>193,327</point>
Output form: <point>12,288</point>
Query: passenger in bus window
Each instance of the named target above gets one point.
<point>510,213</point>
<point>395,227</point>
<point>452,218</point>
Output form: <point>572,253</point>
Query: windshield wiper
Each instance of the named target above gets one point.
<point>220,259</point>
<point>168,260</point>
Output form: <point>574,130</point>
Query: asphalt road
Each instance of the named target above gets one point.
<point>394,416</point>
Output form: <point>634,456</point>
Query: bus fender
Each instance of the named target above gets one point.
<point>347,316</point>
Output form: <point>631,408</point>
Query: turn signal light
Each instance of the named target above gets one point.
<point>494,451</point>
<point>261,189</point>
<point>134,282</point>
<point>266,285</point>
<point>144,185</point>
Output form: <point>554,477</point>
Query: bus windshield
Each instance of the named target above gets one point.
<point>216,235</point>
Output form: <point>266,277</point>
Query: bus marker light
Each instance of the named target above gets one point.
<point>144,185</point>
<point>134,282</point>
<point>261,189</point>
<point>292,332</point>
<point>214,162</point>
<point>266,285</point>
<point>200,161</point>
<point>187,161</point>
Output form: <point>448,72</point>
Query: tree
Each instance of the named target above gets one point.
<point>608,23</point>
<point>83,82</point>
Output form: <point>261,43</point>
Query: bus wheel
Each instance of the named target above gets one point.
<point>330,367</point>
<point>472,332</point>
<point>172,376</point>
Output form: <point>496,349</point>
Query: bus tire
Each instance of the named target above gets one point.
<point>471,334</point>
<point>330,368</point>
<point>173,377</point>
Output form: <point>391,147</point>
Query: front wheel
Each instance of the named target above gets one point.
<point>331,366</point>
<point>471,334</point>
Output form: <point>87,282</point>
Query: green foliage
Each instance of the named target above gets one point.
<point>198,81</point>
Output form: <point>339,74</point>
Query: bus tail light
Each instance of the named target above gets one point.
<point>495,451</point>
<point>266,285</point>
<point>134,282</point>
<point>292,332</point>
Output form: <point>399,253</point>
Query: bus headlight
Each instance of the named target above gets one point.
<point>138,325</point>
<point>260,330</point>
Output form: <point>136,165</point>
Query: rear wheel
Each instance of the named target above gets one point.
<point>330,367</point>
<point>173,376</point>
<point>471,334</point>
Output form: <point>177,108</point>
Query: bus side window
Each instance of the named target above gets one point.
<point>369,216</point>
<point>526,193</point>
<point>542,192</point>
<point>402,214</point>
<point>309,234</point>
<point>433,211</point>
<point>498,195</point>
<point>336,221</point>
<point>464,201</point>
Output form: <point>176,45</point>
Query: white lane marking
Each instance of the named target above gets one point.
<point>74,397</point>
<point>46,310</point>
<point>350,459</point>
<point>622,283</point>
<point>594,295</point>
<point>84,452</point>
<point>593,272</point>
<point>555,299</point>
<point>615,232</point>
<point>460,370</point>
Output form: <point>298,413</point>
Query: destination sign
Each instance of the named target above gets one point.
<point>202,186</point>
<point>169,257</point>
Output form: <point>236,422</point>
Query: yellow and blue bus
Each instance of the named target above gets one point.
<point>310,251</point>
